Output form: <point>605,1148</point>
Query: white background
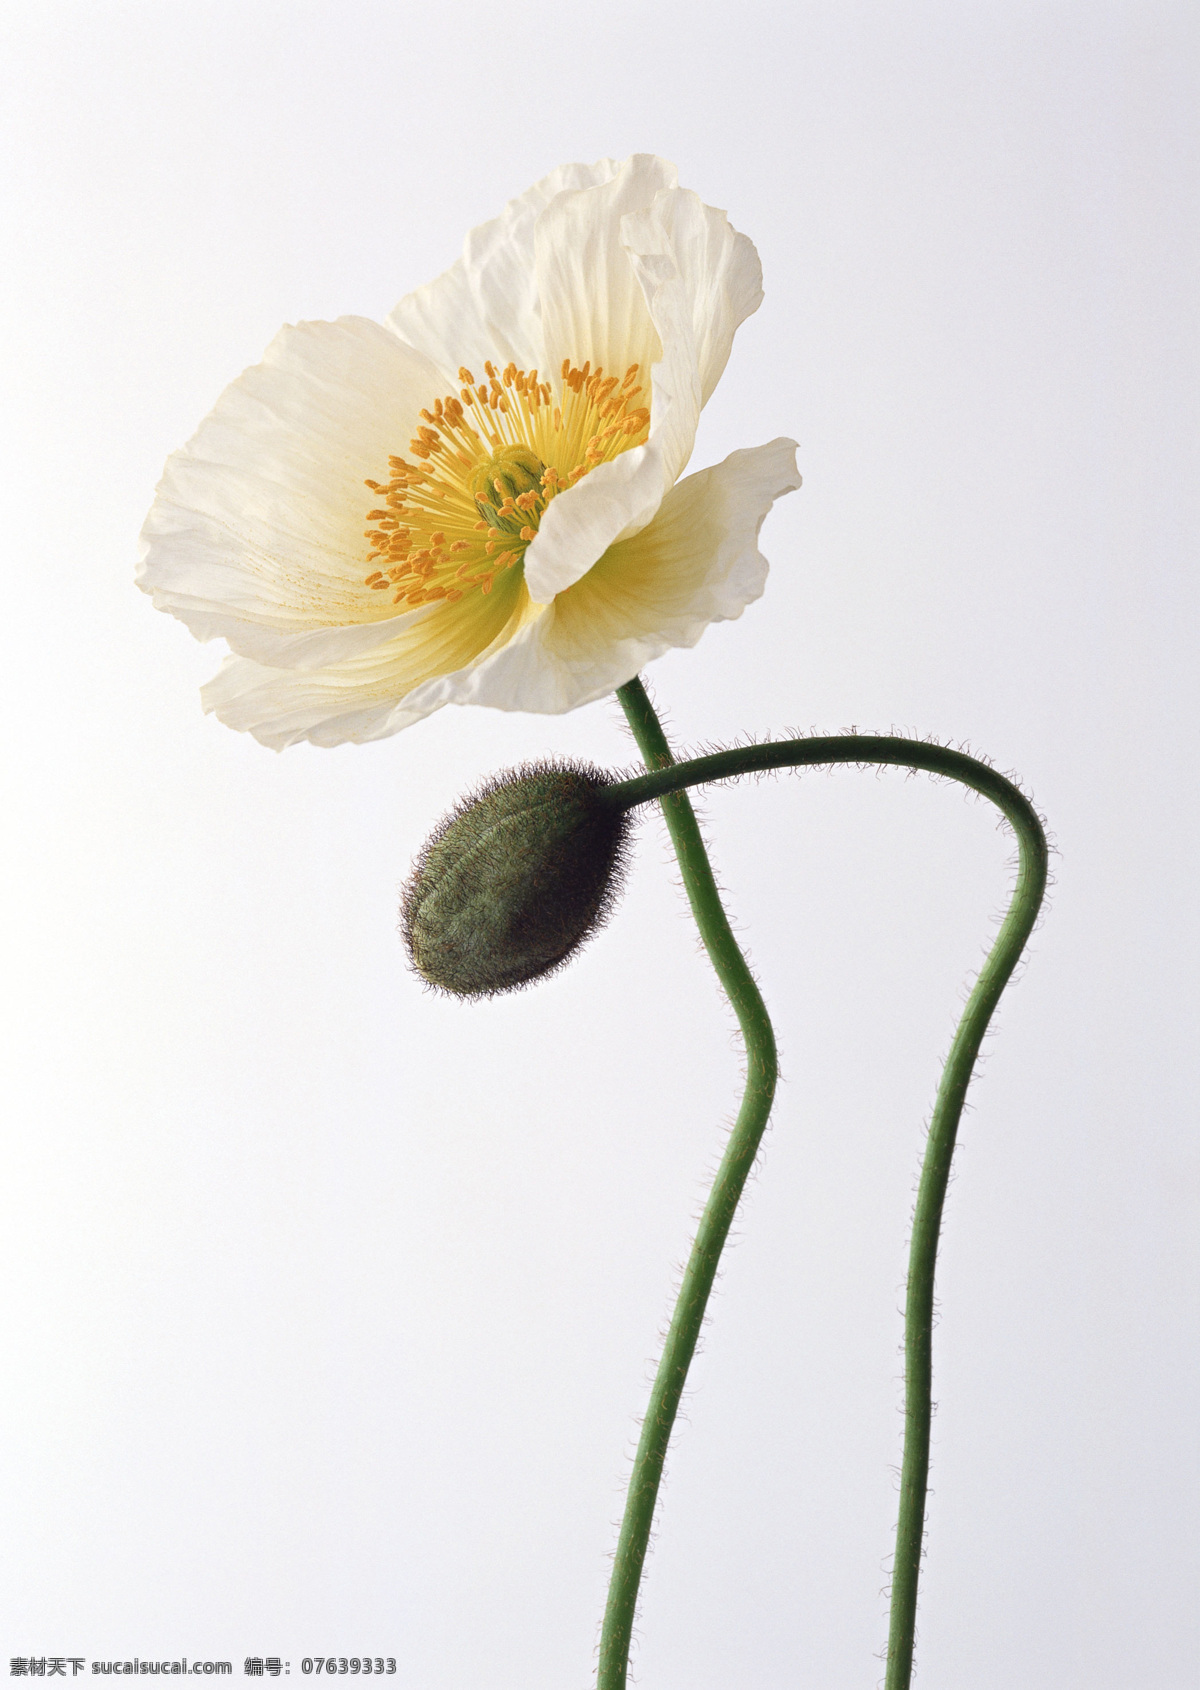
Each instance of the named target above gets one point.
<point>327,1308</point>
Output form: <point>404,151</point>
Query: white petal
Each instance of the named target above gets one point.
<point>281,707</point>
<point>487,304</point>
<point>697,562</point>
<point>593,306</point>
<point>256,532</point>
<point>371,694</point>
<point>698,279</point>
<point>718,268</point>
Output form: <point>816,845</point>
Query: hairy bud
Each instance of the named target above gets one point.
<point>515,880</point>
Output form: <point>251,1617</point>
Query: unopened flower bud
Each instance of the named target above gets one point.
<point>515,880</point>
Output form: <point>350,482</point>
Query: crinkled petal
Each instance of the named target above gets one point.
<point>487,304</point>
<point>371,694</point>
<point>697,279</point>
<point>698,562</point>
<point>594,308</point>
<point>257,530</point>
<point>719,271</point>
<point>347,703</point>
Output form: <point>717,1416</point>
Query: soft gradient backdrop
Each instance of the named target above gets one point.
<point>327,1308</point>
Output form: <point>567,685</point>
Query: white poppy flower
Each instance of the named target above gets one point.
<point>478,502</point>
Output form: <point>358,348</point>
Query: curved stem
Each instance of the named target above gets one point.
<point>666,783</point>
<point>761,1074</point>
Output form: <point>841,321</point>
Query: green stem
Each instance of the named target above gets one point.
<point>666,783</point>
<point>761,1073</point>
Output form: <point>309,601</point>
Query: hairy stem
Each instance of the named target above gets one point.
<point>666,783</point>
<point>761,1073</point>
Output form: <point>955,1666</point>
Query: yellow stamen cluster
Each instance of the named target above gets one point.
<point>488,464</point>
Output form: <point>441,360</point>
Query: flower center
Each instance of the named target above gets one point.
<point>488,464</point>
